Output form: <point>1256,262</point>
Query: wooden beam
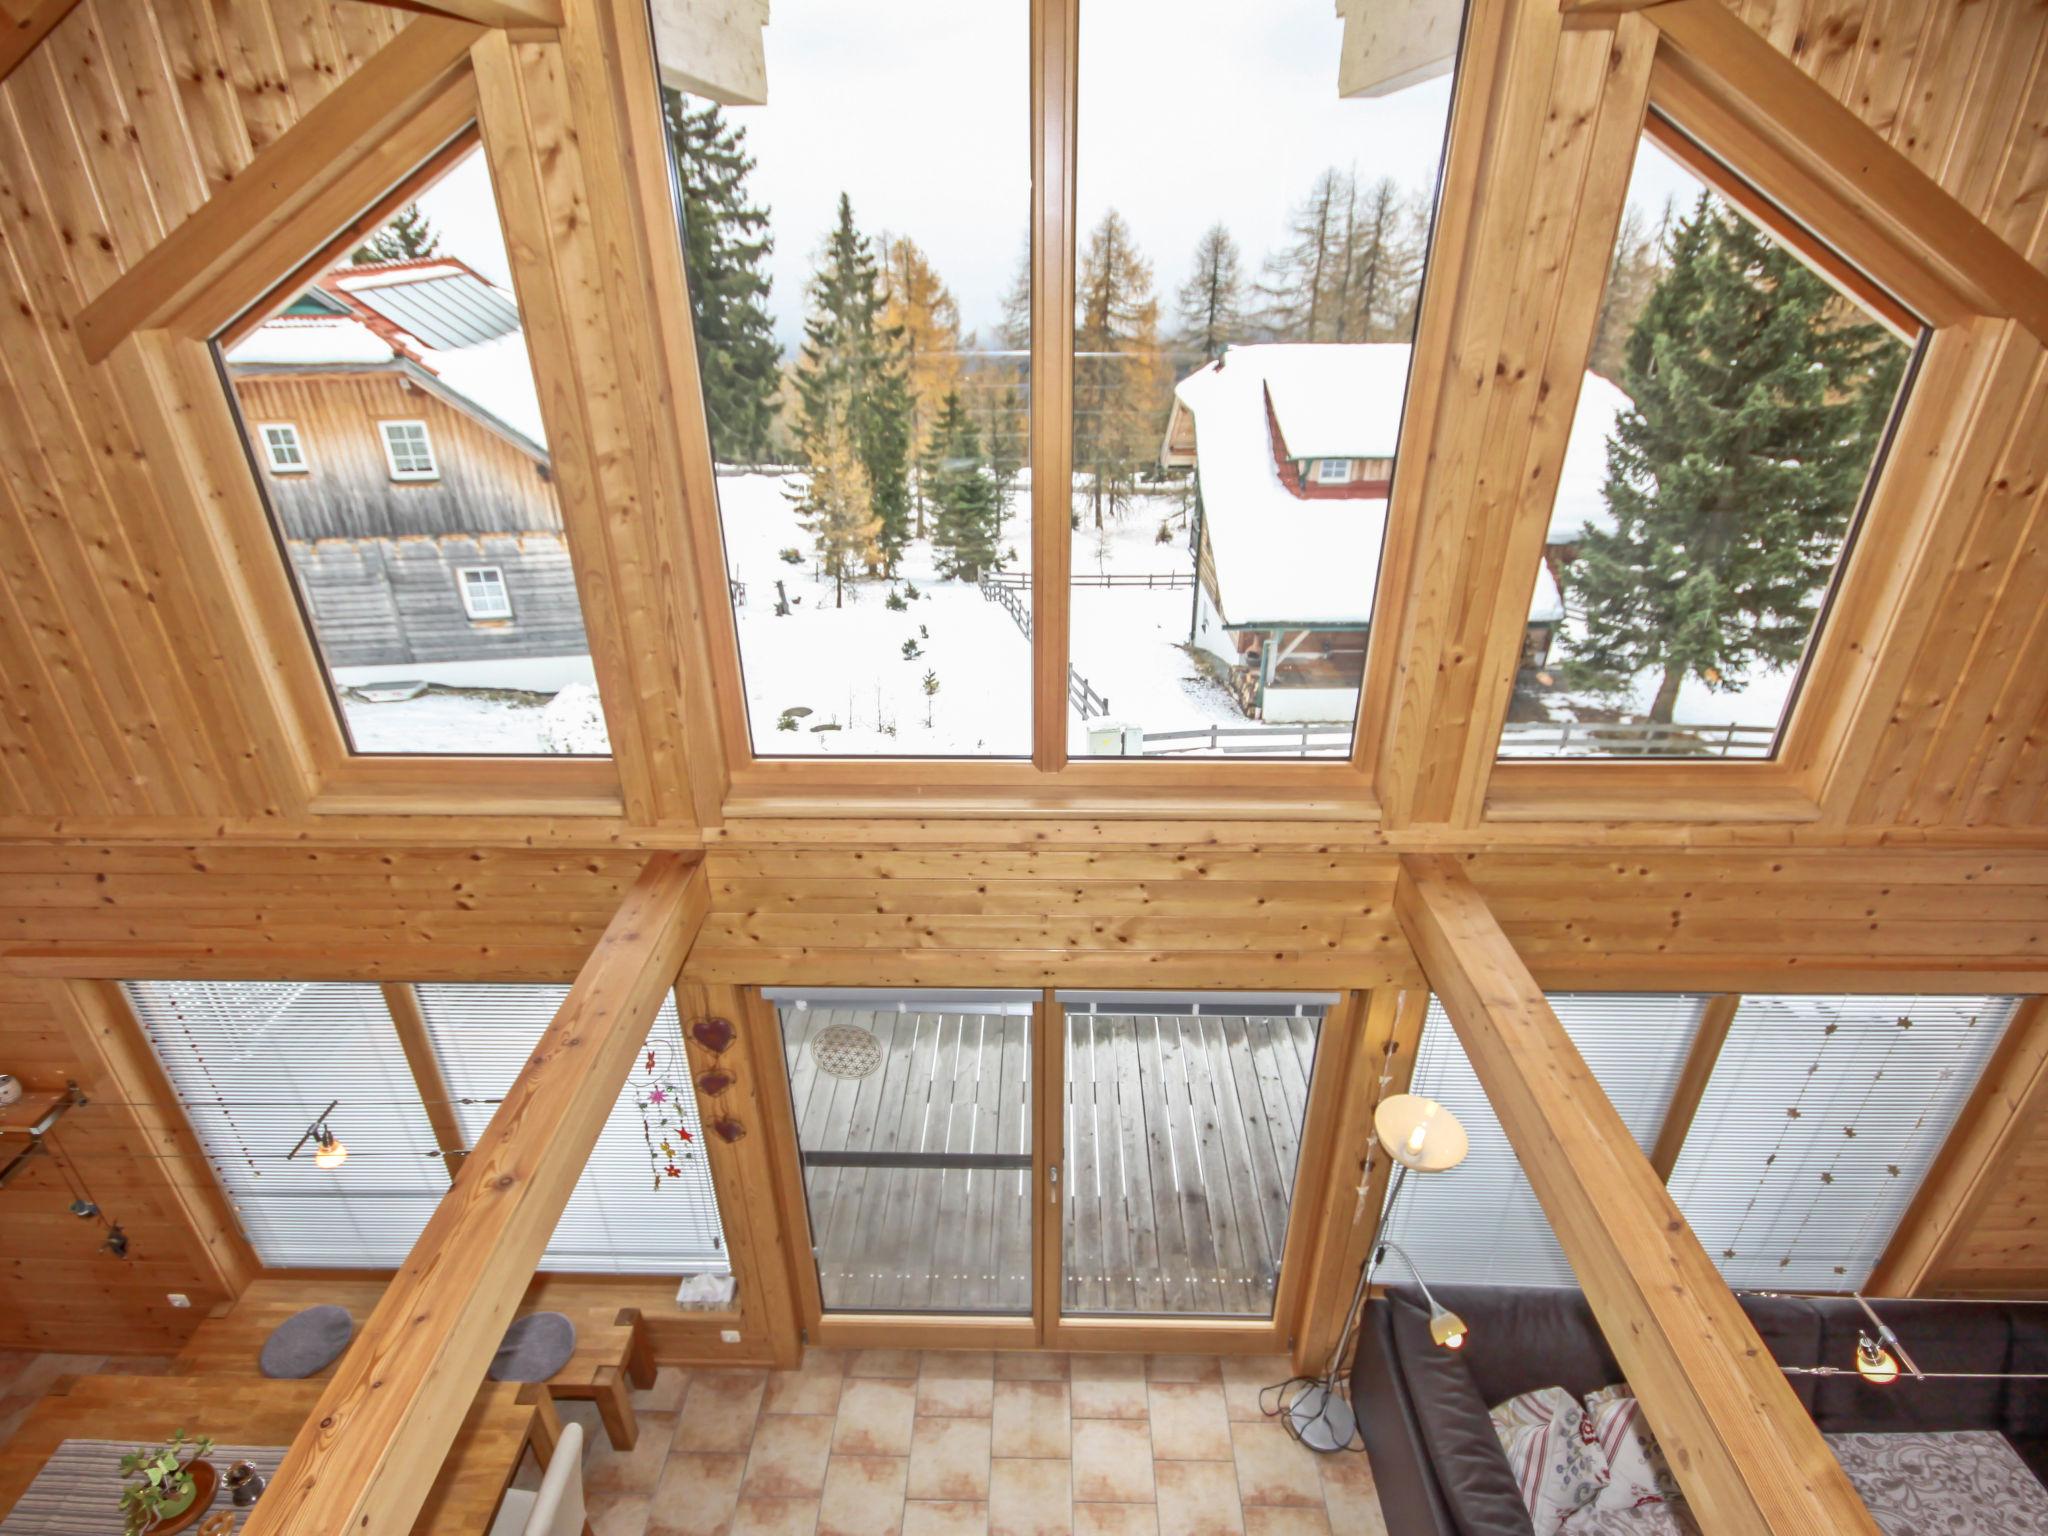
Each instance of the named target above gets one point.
<point>367,1456</point>
<point>366,136</point>
<point>500,13</point>
<point>2005,1113</point>
<point>1745,1451</point>
<point>1054,106</point>
<point>403,1004</point>
<point>1693,1078</point>
<point>1836,172</point>
<point>25,27</point>
<point>1387,48</point>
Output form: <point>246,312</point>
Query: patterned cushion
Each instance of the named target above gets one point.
<point>1639,1473</point>
<point>1558,1464</point>
<point>1961,1483</point>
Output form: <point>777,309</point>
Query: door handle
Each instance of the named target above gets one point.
<point>1052,1192</point>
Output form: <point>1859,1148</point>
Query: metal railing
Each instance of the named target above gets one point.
<point>1164,581</point>
<point>1634,738</point>
<point>1268,740</point>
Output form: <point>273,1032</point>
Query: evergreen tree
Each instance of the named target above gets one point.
<point>1120,384</point>
<point>1210,304</point>
<point>409,236</point>
<point>1732,475</point>
<point>917,303</point>
<point>852,375</point>
<point>726,245</point>
<point>836,506</point>
<point>966,528</point>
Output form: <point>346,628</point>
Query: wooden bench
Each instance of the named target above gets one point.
<point>612,1355</point>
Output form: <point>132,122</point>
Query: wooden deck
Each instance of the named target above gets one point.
<point>1182,1135</point>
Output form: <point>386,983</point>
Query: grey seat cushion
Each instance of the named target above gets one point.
<point>535,1348</point>
<point>306,1344</point>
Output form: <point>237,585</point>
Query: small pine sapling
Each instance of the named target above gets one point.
<point>931,691</point>
<point>911,650</point>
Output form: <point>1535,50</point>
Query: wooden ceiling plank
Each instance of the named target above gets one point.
<point>366,1457</point>
<point>1715,1018</point>
<point>1747,1454</point>
<point>26,26</point>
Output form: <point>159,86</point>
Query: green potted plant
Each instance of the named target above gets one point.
<point>169,1480</point>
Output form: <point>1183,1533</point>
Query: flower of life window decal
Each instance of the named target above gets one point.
<point>661,1092</point>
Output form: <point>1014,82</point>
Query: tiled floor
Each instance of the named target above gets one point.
<point>898,1443</point>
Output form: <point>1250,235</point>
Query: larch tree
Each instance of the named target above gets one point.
<point>1210,304</point>
<point>1756,406</point>
<point>836,506</point>
<point>851,375</point>
<point>1632,274</point>
<point>1381,267</point>
<point>726,245</point>
<point>968,508</point>
<point>917,303</point>
<point>1120,377</point>
<point>409,235</point>
<point>1302,278</point>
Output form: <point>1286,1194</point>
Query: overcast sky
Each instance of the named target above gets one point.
<point>1191,111</point>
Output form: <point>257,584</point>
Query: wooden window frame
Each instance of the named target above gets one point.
<point>299,464</point>
<point>392,451</point>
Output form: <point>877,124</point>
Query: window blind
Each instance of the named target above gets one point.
<point>1818,1125</point>
<point>254,1064</point>
<point>1480,1222</point>
<point>627,1214</point>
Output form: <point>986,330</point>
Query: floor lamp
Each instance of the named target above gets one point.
<point>1421,1136</point>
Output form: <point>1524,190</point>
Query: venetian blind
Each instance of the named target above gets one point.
<point>255,1064</point>
<point>1480,1222</point>
<point>640,1207</point>
<point>1819,1124</point>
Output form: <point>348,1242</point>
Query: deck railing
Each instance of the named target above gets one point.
<point>1520,738</point>
<point>1163,581</point>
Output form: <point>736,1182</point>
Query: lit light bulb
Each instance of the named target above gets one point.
<point>331,1153</point>
<point>1874,1362</point>
<point>1448,1329</point>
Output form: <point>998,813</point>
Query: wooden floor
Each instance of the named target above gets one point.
<point>1181,1132</point>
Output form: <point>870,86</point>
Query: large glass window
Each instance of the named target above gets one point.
<point>1241,361</point>
<point>393,404</point>
<point>855,200</point>
<point>1734,414</point>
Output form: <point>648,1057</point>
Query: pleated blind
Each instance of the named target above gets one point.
<point>1480,1222</point>
<point>629,1213</point>
<point>254,1064</point>
<point>1820,1122</point>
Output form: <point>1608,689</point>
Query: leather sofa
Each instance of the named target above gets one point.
<point>1440,1471</point>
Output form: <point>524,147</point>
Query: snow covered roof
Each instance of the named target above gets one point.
<point>1334,401</point>
<point>1579,504</point>
<point>301,342</point>
<point>1279,558</point>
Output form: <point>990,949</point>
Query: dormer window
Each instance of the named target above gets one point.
<point>1333,472</point>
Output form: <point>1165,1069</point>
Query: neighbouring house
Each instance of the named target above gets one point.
<point>1293,451</point>
<point>392,415</point>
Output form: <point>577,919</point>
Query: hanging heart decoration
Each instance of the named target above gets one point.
<point>713,1034</point>
<point>715,1082</point>
<point>728,1128</point>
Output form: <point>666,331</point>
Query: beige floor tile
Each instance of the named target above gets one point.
<point>617,1515</point>
<point>1198,1498</point>
<point>607,1469</point>
<point>775,1517</point>
<point>1274,1520</point>
<point>696,1495</point>
<point>1116,1520</point>
<point>945,1517</point>
<point>788,1458</point>
<point>1030,1497</point>
<point>949,1459</point>
<point>956,1384</point>
<point>874,1418</point>
<point>671,1383</point>
<point>1031,1418</point>
<point>1188,1421</point>
<point>1031,1365</point>
<point>1275,1468</point>
<point>1183,1368</point>
<point>804,1391</point>
<point>1109,1387</point>
<point>1349,1495</point>
<point>1245,1376</point>
<point>719,1410</point>
<point>1112,1461</point>
<point>891,1364</point>
<point>863,1496</point>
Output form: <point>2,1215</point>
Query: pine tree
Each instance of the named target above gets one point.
<point>726,245</point>
<point>1731,477</point>
<point>851,374</point>
<point>409,236</point>
<point>1120,385</point>
<point>1210,304</point>
<point>966,524</point>
<point>836,506</point>
<point>917,303</point>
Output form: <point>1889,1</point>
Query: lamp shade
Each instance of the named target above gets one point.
<point>1420,1133</point>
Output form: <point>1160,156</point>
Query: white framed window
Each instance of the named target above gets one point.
<point>483,592</point>
<point>282,449</point>
<point>409,451</point>
<point>1333,471</point>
